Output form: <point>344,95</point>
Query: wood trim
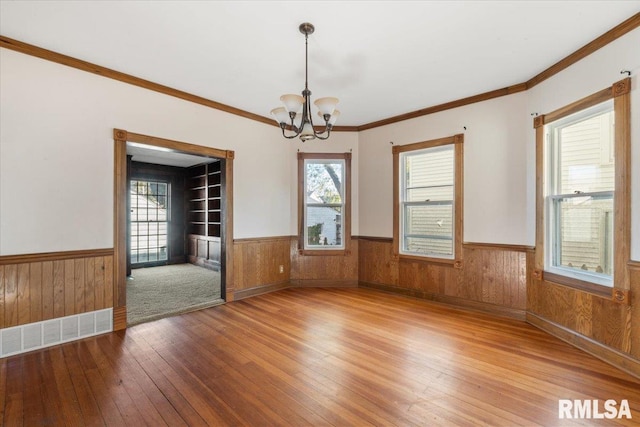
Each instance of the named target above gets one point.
<point>539,251</point>
<point>259,290</point>
<point>248,240</point>
<point>120,220</point>
<point>395,249</point>
<point>620,93</point>
<point>79,64</point>
<point>120,212</point>
<point>586,50</point>
<point>607,354</point>
<point>454,139</point>
<point>446,106</point>
<point>622,197</point>
<point>346,234</point>
<point>119,318</point>
<point>226,241</point>
<point>177,146</point>
<point>375,239</point>
<point>498,247</point>
<point>426,259</point>
<point>452,302</point>
<point>54,256</point>
<point>611,35</point>
<point>581,104</point>
<point>581,285</point>
<point>458,142</point>
<point>458,206</point>
<point>634,265</point>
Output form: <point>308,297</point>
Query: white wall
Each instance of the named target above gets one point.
<point>595,72</point>
<point>56,155</point>
<point>495,199</point>
<point>499,160</point>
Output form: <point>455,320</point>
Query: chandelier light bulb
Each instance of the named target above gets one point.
<point>292,103</point>
<point>326,105</point>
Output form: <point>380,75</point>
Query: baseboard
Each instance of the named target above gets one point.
<point>609,355</point>
<point>47,333</point>
<point>493,309</point>
<point>319,283</point>
<point>323,283</point>
<point>258,290</point>
<point>120,318</point>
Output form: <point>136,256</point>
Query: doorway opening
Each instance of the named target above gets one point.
<point>172,227</point>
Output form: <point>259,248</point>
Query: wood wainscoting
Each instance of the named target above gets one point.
<point>257,265</point>
<point>204,251</point>
<point>593,323</point>
<point>490,278</point>
<point>258,261</point>
<point>37,287</point>
<point>335,270</point>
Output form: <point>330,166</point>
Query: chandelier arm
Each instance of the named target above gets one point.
<point>289,137</point>
<point>318,135</point>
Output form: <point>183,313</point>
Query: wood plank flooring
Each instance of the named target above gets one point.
<point>321,357</point>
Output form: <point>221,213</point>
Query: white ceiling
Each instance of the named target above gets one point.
<point>162,156</point>
<point>381,58</point>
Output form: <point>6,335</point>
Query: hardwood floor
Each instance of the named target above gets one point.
<point>312,357</point>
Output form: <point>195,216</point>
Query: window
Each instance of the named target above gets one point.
<point>580,173</point>
<point>583,212</point>
<point>428,195</point>
<point>149,221</point>
<point>324,202</point>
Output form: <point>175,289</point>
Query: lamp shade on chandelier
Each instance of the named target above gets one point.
<point>295,118</point>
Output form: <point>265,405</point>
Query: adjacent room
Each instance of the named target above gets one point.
<point>174,224</point>
<point>400,213</point>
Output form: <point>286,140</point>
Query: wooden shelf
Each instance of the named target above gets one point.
<point>204,200</point>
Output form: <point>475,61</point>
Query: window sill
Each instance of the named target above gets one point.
<point>426,259</point>
<point>581,285</point>
<point>324,252</point>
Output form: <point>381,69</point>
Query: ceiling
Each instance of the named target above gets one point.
<point>380,58</point>
<point>163,156</point>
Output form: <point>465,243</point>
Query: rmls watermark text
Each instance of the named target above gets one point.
<point>593,409</point>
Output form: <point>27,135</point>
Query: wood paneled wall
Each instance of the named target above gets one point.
<point>598,318</point>
<point>39,287</point>
<point>490,277</point>
<point>204,251</point>
<point>257,265</point>
<point>324,270</point>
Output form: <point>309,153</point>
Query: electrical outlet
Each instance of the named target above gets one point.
<point>281,269</point>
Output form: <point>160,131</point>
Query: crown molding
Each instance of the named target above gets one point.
<point>606,38</point>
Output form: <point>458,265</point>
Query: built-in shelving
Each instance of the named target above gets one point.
<point>204,214</point>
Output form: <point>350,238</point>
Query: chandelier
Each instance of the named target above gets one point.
<point>293,123</point>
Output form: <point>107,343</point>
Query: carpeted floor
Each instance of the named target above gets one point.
<point>157,292</point>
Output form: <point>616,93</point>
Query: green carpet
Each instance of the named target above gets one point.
<point>157,292</point>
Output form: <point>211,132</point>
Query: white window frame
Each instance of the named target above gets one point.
<point>341,205</point>
<point>552,197</point>
<point>404,204</point>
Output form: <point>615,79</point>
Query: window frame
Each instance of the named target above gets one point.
<point>458,143</point>
<point>345,158</point>
<point>619,92</point>
<point>553,195</point>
